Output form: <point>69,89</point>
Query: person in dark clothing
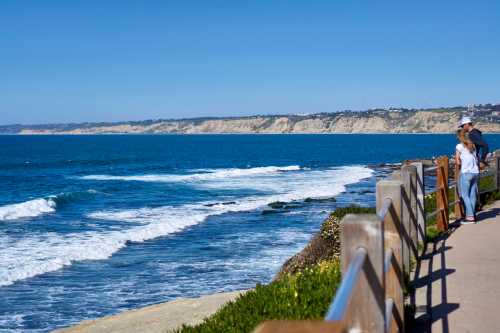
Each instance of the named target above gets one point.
<point>475,135</point>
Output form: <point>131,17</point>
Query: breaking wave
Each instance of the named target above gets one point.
<point>40,206</point>
<point>207,174</point>
<point>31,208</point>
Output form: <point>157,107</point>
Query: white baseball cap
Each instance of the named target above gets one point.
<point>465,120</point>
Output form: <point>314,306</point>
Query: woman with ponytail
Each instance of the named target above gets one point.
<point>466,158</point>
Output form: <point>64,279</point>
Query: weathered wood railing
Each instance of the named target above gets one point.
<point>378,250</point>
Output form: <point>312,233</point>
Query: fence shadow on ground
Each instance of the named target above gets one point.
<point>437,272</point>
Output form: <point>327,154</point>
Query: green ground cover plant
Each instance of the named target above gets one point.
<point>305,295</point>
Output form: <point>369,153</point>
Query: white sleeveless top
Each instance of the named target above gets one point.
<point>468,160</point>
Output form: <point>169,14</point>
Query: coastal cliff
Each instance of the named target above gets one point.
<point>371,121</point>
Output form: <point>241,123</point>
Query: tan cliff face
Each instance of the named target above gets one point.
<point>312,126</point>
<point>390,122</point>
<point>429,122</point>
<point>249,125</point>
<point>360,125</point>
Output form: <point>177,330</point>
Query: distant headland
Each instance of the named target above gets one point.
<point>391,120</point>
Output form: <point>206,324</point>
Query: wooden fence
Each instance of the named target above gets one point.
<point>378,250</point>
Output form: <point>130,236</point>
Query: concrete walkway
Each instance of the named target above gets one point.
<point>458,280</point>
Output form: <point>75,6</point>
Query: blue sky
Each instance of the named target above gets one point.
<point>73,61</point>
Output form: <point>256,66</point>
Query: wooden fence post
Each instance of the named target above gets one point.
<point>413,207</point>
<point>421,232</point>
<point>299,326</point>
<point>366,310</point>
<point>442,193</point>
<point>405,236</point>
<point>409,179</point>
<point>391,190</point>
<point>496,160</point>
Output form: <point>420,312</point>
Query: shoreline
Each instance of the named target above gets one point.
<point>157,318</point>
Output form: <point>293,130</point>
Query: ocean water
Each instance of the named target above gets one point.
<point>94,225</point>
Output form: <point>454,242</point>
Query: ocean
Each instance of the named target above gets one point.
<point>94,225</point>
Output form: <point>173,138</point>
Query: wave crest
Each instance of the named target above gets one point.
<point>31,208</point>
<point>207,174</point>
<point>40,206</point>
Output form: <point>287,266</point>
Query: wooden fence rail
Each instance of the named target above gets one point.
<point>377,251</point>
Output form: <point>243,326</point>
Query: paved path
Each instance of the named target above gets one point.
<point>459,282</point>
<point>156,318</point>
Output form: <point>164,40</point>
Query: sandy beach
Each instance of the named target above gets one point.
<point>156,318</point>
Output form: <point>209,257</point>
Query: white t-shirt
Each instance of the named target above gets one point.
<point>468,160</point>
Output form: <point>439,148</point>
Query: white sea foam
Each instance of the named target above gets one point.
<point>207,174</point>
<point>31,208</point>
<point>40,206</point>
<point>36,255</point>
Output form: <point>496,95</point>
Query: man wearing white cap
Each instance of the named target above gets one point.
<point>476,137</point>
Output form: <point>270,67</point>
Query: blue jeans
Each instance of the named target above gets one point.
<point>468,192</point>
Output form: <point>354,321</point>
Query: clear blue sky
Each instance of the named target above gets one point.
<point>73,61</point>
